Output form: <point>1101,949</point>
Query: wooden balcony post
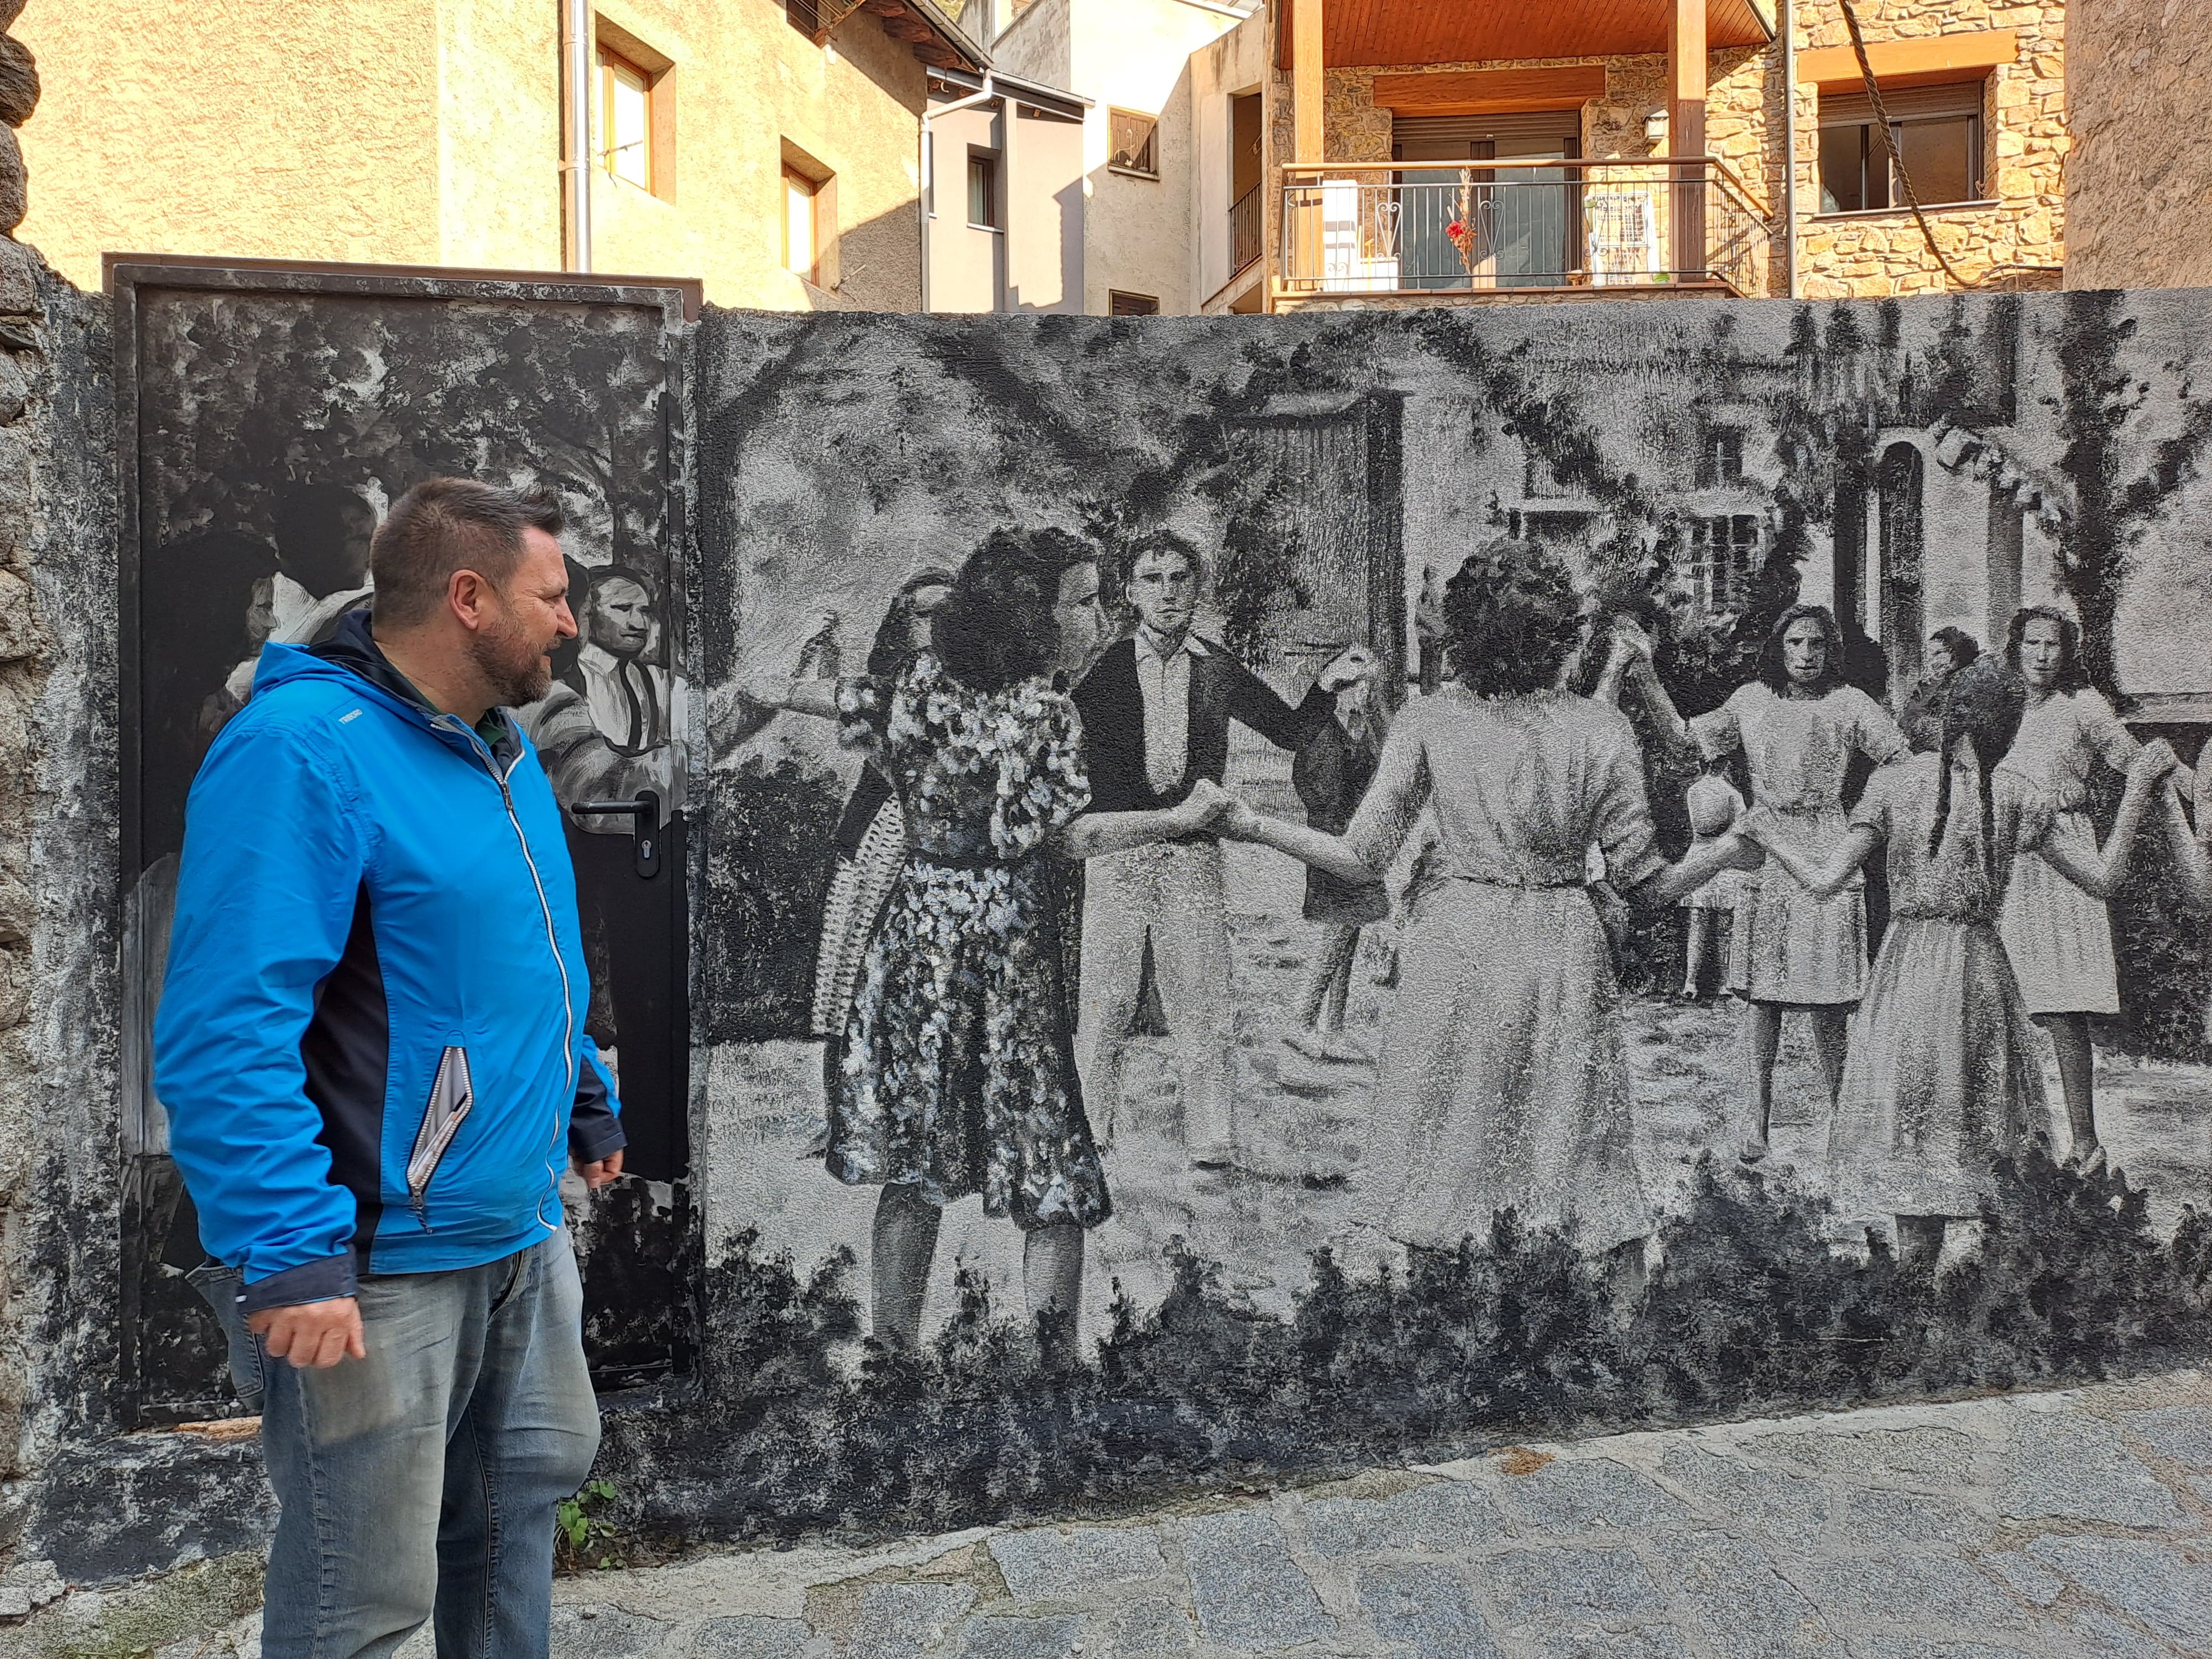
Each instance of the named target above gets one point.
<point>1309,83</point>
<point>1686,129</point>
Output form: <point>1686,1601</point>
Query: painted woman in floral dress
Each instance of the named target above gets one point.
<point>1798,725</point>
<point>958,1075</point>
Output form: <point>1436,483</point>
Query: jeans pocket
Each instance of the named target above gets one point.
<point>219,1287</point>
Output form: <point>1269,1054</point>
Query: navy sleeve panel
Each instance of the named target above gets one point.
<point>310,1281</point>
<point>595,1129</point>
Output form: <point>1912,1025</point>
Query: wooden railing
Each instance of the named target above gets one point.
<point>1349,228</point>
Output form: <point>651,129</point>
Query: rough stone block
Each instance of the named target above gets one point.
<point>2027,1578</point>
<point>21,636</point>
<point>1644,1642</point>
<point>1940,1457</point>
<point>1532,1587</point>
<point>1020,1638</point>
<point>1875,1516</point>
<point>1746,1608</point>
<point>1426,1609</point>
<point>2160,1586</point>
<point>1783,1504</point>
<point>2108,1638</point>
<point>605,1633</point>
<point>1907,1590</point>
<point>14,188</point>
<point>902,1621</point>
<point>16,497</point>
<point>1045,1565</point>
<point>752,1637</point>
<point>18,283</point>
<point>1248,1590</point>
<point>2069,1465</point>
<point>18,81</point>
<point>1151,1627</point>
<point>2183,1434</point>
<point>1936,1647</point>
<point>1443,1517</point>
<point>1569,1495</point>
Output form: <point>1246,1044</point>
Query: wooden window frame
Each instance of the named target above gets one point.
<point>802,167</point>
<point>991,159</point>
<point>1115,296</point>
<point>612,45</point>
<point>1152,145</point>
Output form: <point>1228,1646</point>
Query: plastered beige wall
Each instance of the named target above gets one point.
<point>428,132</point>
<point>2139,177</point>
<point>265,128</point>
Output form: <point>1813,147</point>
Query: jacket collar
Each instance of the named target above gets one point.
<point>354,648</point>
<point>1149,645</point>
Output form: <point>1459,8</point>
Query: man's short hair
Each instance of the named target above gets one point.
<point>608,574</point>
<point>444,525</point>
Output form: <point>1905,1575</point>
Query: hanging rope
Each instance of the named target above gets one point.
<point>1889,148</point>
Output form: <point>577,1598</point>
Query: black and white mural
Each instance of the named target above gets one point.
<point>1271,894</point>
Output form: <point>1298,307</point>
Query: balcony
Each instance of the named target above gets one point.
<point>1443,234</point>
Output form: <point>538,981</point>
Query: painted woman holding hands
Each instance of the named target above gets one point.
<point>959,1066</point>
<point>1943,1078</point>
<point>1798,725</point>
<point>1504,1075</point>
<point>2059,936</point>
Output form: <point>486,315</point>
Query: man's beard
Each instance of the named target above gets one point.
<point>512,664</point>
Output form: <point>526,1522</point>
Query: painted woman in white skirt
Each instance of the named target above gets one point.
<point>1943,1078</point>
<point>1798,725</point>
<point>1503,1081</point>
<point>2059,938</point>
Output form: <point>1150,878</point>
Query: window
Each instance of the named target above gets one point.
<point>623,134</point>
<point>805,15</point>
<point>984,190</point>
<point>1937,132</point>
<point>1119,304</point>
<point>1720,461</point>
<point>1136,144</point>
<point>802,228</point>
<point>1724,559</point>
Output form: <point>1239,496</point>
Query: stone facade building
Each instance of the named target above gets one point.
<point>1647,149</point>
<point>2139,179</point>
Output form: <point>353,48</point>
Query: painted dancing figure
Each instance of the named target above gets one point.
<point>1943,1077</point>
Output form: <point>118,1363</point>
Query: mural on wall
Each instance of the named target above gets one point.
<point>1331,886</point>
<point>276,415</point>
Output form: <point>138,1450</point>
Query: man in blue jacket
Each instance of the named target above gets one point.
<point>371,1046</point>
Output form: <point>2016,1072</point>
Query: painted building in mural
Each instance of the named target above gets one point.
<point>775,150</point>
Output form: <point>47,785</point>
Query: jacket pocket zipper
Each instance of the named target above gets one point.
<point>451,1097</point>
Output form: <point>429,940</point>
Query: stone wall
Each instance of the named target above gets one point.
<point>2019,239</point>
<point>2139,179</point>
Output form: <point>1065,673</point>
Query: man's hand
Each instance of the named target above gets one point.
<point>312,1334</point>
<point>1349,666</point>
<point>599,1174</point>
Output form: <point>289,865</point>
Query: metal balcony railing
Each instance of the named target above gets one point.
<point>1244,229</point>
<point>1509,224</point>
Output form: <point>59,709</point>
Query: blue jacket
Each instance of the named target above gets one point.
<point>371,1038</point>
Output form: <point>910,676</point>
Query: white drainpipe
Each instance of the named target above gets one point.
<point>929,165</point>
<point>576,157</point>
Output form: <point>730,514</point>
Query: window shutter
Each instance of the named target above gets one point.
<point>1904,104</point>
<point>1448,137</point>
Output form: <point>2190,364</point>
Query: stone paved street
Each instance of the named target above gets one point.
<point>2054,1525</point>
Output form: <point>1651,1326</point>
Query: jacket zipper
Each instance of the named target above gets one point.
<point>450,1089</point>
<point>544,908</point>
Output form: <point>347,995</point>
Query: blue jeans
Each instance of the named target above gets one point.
<point>423,1481</point>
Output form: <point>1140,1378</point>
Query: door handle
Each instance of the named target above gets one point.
<point>644,814</point>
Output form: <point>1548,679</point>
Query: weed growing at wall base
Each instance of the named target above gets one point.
<point>1513,1335</point>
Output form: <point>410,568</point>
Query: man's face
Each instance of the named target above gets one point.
<point>514,650</point>
<point>619,619</point>
<point>2042,653</point>
<point>1080,618</point>
<point>1805,650</point>
<point>1163,588</point>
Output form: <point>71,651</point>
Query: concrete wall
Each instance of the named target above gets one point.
<point>2139,176</point>
<point>1237,64</point>
<point>428,132</point>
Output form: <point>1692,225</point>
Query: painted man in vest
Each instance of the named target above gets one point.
<point>1156,712</point>
<point>371,1045</point>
